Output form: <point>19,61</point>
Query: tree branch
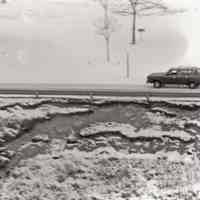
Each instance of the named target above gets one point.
<point>145,8</point>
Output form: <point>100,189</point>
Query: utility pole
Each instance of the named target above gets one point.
<point>127,65</point>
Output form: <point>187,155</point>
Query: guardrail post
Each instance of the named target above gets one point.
<point>91,97</point>
<point>36,94</point>
<point>148,99</point>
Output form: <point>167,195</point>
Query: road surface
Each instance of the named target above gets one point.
<point>97,90</point>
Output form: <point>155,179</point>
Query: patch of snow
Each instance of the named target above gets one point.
<point>193,122</point>
<point>57,146</point>
<point>9,132</point>
<point>2,149</point>
<point>178,99</point>
<point>164,111</point>
<point>43,111</point>
<point>4,161</point>
<point>171,100</point>
<point>23,101</point>
<point>93,129</point>
<point>138,143</point>
<point>6,100</point>
<point>130,131</point>
<point>172,156</point>
<point>61,110</point>
<point>41,138</point>
<point>179,102</point>
<point>158,119</point>
<point>28,145</point>
<point>104,174</point>
<point>16,116</point>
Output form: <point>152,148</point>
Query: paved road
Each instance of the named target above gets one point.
<point>97,89</point>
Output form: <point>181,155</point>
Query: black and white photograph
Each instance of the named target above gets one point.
<point>100,100</point>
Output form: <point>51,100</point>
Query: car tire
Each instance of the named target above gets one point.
<point>157,84</point>
<point>192,85</point>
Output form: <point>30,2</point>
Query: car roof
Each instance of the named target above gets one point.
<point>184,68</point>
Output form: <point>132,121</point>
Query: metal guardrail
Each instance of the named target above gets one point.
<point>101,92</point>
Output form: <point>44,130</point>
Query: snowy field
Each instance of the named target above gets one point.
<point>99,149</point>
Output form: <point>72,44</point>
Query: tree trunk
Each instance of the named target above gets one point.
<point>106,27</point>
<point>134,28</point>
<point>108,49</point>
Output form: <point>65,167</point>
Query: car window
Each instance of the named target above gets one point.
<point>186,71</point>
<point>172,71</point>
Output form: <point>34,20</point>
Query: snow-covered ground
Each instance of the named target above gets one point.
<point>13,118</point>
<point>17,110</point>
<point>31,100</point>
<point>122,150</point>
<point>102,174</point>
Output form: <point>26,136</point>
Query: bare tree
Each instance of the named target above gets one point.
<point>106,26</point>
<point>136,8</point>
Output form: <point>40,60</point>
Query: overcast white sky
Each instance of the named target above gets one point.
<point>55,41</point>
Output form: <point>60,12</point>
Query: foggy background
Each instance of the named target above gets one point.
<point>54,41</point>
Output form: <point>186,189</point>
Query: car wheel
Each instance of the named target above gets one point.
<point>157,84</point>
<point>192,85</point>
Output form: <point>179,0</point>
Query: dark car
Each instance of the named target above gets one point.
<point>189,76</point>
